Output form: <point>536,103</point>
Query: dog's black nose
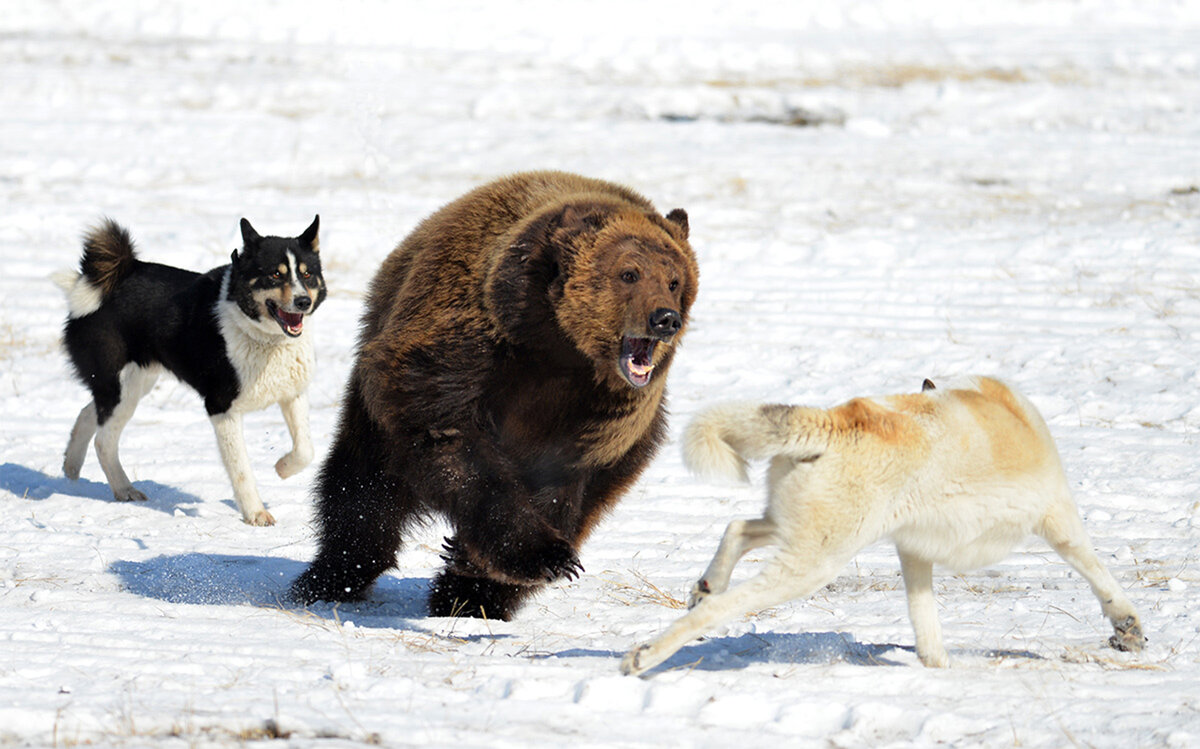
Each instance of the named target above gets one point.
<point>302,303</point>
<point>665,322</point>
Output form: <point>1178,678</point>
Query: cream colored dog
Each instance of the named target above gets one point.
<point>955,476</point>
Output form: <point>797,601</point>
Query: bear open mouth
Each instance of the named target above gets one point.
<point>292,323</point>
<point>637,357</point>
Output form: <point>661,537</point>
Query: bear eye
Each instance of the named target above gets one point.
<point>629,276</point>
<point>673,285</point>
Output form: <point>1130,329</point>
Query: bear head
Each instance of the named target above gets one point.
<point>610,279</point>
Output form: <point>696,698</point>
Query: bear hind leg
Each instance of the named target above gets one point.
<point>361,514</point>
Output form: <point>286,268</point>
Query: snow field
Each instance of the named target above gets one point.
<point>1008,189</point>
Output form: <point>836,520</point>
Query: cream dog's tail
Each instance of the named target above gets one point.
<point>723,439</point>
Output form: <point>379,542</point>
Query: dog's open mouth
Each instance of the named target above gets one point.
<point>292,323</point>
<point>637,360</point>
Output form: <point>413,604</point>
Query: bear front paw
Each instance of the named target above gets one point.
<point>542,564</point>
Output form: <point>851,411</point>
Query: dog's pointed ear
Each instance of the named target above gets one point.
<point>928,385</point>
<point>249,236</point>
<point>309,237</point>
<point>679,217</point>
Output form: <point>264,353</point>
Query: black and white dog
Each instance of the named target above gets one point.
<point>235,334</point>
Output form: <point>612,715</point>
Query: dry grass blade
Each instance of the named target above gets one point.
<point>1076,655</point>
<point>644,591</point>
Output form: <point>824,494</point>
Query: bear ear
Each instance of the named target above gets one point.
<point>578,219</point>
<point>522,278</point>
<point>679,217</point>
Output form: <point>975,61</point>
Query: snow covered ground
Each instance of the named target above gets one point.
<point>879,191</point>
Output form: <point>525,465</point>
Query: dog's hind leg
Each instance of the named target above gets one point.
<point>740,537</point>
<point>782,579</point>
<point>81,437</point>
<point>135,382</point>
<point>295,415</point>
<point>918,584</point>
<point>1064,531</point>
<point>231,444</point>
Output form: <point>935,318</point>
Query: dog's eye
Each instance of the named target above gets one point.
<point>673,285</point>
<point>629,276</point>
<point>276,275</point>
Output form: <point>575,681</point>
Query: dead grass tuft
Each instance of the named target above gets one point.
<point>643,591</point>
<point>1109,663</point>
<point>904,74</point>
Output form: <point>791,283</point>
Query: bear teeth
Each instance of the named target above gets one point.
<point>637,357</point>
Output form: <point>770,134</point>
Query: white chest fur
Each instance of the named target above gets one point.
<point>270,368</point>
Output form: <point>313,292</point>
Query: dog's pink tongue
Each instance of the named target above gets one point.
<point>293,320</point>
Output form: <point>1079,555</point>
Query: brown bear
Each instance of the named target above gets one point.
<point>510,376</point>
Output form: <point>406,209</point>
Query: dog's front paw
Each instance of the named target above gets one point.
<point>292,463</point>
<point>939,659</point>
<point>71,468</point>
<point>700,591</point>
<point>129,494</point>
<point>259,517</point>
<point>1127,635</point>
<point>631,664</point>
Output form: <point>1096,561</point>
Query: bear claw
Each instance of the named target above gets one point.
<point>556,560</point>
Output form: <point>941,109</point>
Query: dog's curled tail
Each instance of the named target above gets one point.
<point>108,256</point>
<point>720,441</point>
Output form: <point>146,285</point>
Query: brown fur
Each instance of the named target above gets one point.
<point>108,255</point>
<point>489,387</point>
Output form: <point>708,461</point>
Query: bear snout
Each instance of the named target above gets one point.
<point>665,323</point>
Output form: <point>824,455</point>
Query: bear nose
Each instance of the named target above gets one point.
<point>665,322</point>
<point>302,303</point>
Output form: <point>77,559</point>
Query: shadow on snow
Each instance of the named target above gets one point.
<point>230,580</point>
<point>791,648</point>
<point>30,484</point>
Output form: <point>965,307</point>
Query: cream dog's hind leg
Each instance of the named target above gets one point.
<point>1063,530</point>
